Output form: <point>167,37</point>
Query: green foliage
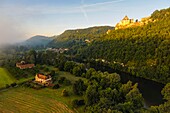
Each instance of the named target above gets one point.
<point>165,107</point>
<point>64,93</point>
<point>166,92</point>
<point>105,93</point>
<point>78,70</point>
<point>68,66</point>
<point>76,103</point>
<point>61,80</point>
<point>52,73</point>
<point>77,37</point>
<point>66,82</point>
<point>135,97</point>
<point>79,87</point>
<point>90,72</point>
<point>91,95</point>
<point>56,86</point>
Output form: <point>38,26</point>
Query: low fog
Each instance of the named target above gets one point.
<point>11,30</point>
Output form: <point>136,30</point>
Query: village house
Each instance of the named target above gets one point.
<point>43,79</point>
<point>23,65</point>
<point>58,50</point>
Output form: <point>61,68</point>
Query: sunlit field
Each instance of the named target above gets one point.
<point>27,100</point>
<point>5,78</point>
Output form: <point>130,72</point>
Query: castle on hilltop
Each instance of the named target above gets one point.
<point>126,22</point>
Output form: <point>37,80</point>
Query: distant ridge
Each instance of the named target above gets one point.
<point>37,40</point>
<point>71,37</point>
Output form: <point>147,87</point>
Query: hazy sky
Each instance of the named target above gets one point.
<point>21,19</point>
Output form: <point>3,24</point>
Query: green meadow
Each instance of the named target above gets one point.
<point>45,100</point>
<point>5,77</point>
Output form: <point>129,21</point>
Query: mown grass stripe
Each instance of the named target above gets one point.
<point>28,100</point>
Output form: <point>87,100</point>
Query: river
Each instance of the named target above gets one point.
<point>151,90</point>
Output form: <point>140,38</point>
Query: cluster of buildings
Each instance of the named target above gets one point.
<point>42,79</point>
<point>57,50</point>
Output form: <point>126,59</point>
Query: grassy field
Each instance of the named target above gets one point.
<point>69,76</point>
<point>5,77</point>
<point>46,100</point>
<point>27,100</point>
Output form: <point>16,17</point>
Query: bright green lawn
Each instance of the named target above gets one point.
<point>5,77</point>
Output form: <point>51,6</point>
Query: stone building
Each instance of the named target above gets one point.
<point>23,65</point>
<point>124,22</point>
<point>43,79</point>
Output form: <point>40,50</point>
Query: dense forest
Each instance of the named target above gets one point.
<point>141,51</point>
<point>76,37</point>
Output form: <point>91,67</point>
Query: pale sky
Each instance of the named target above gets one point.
<point>21,19</point>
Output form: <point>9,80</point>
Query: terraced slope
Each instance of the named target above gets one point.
<point>25,100</point>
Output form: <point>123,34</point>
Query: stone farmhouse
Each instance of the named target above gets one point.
<point>43,79</point>
<point>23,65</point>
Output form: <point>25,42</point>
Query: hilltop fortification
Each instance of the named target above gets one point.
<point>126,22</point>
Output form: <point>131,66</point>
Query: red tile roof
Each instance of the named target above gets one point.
<point>42,76</point>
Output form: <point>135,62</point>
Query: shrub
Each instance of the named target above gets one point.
<point>7,85</point>
<point>64,93</point>
<point>77,103</point>
<point>52,73</point>
<point>61,80</point>
<point>46,69</point>
<point>81,102</point>
<point>67,82</point>
<point>74,103</point>
<point>13,84</point>
<point>56,86</point>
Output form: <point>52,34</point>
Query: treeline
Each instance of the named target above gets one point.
<point>71,37</point>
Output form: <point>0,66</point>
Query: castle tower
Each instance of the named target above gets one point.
<point>124,22</point>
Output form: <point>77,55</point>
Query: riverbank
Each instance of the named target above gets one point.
<point>151,90</point>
